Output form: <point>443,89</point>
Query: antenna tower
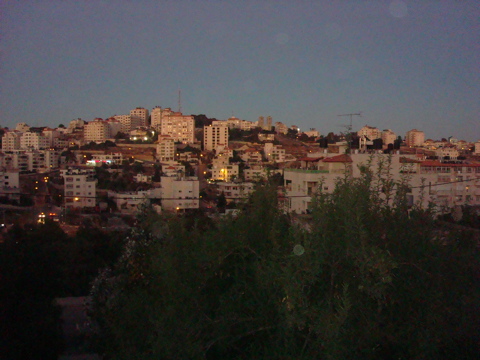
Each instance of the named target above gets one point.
<point>179,101</point>
<point>351,118</point>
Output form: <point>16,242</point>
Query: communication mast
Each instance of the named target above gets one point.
<point>349,127</point>
<point>351,118</point>
<point>179,100</point>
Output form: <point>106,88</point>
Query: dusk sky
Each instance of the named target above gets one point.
<point>403,64</point>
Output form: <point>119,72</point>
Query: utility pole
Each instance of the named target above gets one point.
<point>349,127</point>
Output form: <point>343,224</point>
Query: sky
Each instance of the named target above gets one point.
<point>401,64</point>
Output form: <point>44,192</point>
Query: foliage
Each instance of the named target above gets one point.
<point>368,277</point>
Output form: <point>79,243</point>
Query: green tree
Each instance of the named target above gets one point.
<point>367,277</point>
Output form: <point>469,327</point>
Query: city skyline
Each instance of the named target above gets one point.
<point>403,64</point>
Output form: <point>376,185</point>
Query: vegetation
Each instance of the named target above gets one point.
<point>367,278</point>
<point>38,263</point>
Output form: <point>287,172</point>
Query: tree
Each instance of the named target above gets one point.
<point>368,277</point>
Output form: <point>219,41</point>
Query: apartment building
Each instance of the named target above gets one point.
<point>180,127</point>
<point>109,159</point>
<point>214,135</point>
<point>165,150</point>
<point>415,138</point>
<point>79,187</point>
<point>281,128</point>
<point>370,132</point>
<point>11,140</point>
<point>96,131</point>
<point>256,173</point>
<point>236,192</point>
<point>236,123</point>
<point>156,116</point>
<point>388,137</point>
<point>140,115</point>
<point>180,193</point>
<point>225,172</point>
<point>274,153</point>
<point>445,185</point>
<point>34,140</point>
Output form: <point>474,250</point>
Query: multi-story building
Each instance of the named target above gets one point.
<point>225,172</point>
<point>214,135</point>
<point>447,153</point>
<point>109,159</point>
<point>281,128</point>
<point>274,153</point>
<point>388,137</point>
<point>180,127</point>
<point>165,148</point>
<point>79,187</point>
<point>370,132</point>
<point>22,127</point>
<point>11,140</point>
<point>34,140</point>
<point>140,115</point>
<point>236,123</point>
<point>156,116</point>
<point>477,148</point>
<point>180,193</point>
<point>236,192</point>
<point>415,138</point>
<point>256,173</point>
<point>445,185</point>
<point>97,131</point>
<point>51,135</point>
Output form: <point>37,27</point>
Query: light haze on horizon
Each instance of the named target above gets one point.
<point>403,64</point>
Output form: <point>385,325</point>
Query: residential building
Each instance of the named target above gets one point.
<point>139,116</point>
<point>236,192</point>
<point>165,150</point>
<point>388,137</point>
<point>180,127</point>
<point>274,153</point>
<point>370,132</point>
<point>415,138</point>
<point>156,116</point>
<point>79,187</point>
<point>214,135</point>
<point>256,173</point>
<point>180,193</point>
<point>22,127</point>
<point>236,123</point>
<point>109,159</point>
<point>225,172</point>
<point>281,128</point>
<point>34,140</point>
<point>447,153</point>
<point>11,140</point>
<point>97,131</point>
<point>127,123</point>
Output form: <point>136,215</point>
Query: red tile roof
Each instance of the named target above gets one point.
<point>343,158</point>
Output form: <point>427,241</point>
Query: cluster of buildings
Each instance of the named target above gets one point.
<point>444,172</point>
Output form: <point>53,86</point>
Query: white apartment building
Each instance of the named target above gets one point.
<point>157,115</point>
<point>22,127</point>
<point>415,138</point>
<point>257,173</point>
<point>388,137</point>
<point>9,179</point>
<point>281,128</point>
<point>79,187</point>
<point>173,168</point>
<point>34,140</point>
<point>15,160</point>
<point>75,125</point>
<point>97,131</point>
<point>11,140</point>
<point>477,148</point>
<point>447,152</point>
<point>214,135</point>
<point>274,153</point>
<point>236,192</point>
<point>225,172</point>
<point>140,115</point>
<point>370,132</point>
<point>252,156</point>
<point>236,123</point>
<point>312,133</point>
<point>180,127</point>
<point>165,150</point>
<point>446,185</point>
<point>51,135</point>
<point>180,193</point>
